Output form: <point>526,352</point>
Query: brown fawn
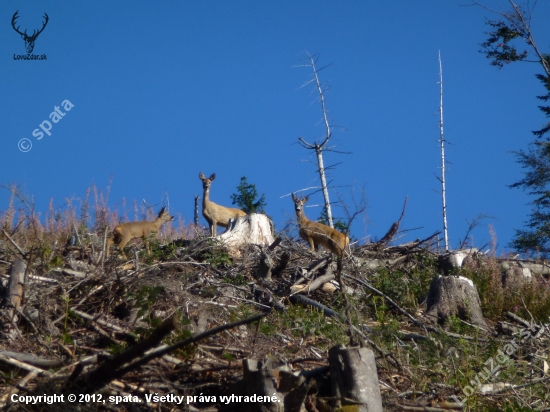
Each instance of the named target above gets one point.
<point>215,214</point>
<point>125,232</point>
<point>317,234</point>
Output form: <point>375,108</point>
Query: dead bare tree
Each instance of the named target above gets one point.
<point>442,142</point>
<point>196,216</point>
<point>322,146</point>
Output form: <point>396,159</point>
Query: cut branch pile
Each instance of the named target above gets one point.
<point>197,321</point>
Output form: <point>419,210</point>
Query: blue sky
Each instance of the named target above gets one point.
<point>165,90</point>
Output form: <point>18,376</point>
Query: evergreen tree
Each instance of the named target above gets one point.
<point>246,198</point>
<point>501,48</point>
<point>338,224</point>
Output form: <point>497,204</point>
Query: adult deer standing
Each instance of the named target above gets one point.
<point>125,232</point>
<point>316,233</point>
<point>213,213</point>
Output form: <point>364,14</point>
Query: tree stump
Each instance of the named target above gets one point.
<point>251,229</point>
<point>259,379</point>
<point>15,296</point>
<point>265,267</point>
<point>454,296</point>
<point>354,376</point>
<point>452,261</point>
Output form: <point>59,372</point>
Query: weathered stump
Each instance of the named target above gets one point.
<point>259,379</point>
<point>251,229</point>
<point>454,296</point>
<point>15,296</point>
<point>354,376</point>
<point>453,260</point>
<point>265,267</point>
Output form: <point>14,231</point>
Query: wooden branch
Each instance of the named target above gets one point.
<point>318,282</point>
<point>32,359</point>
<point>394,228</point>
<point>390,300</point>
<point>518,319</point>
<point>101,322</point>
<point>20,385</point>
<point>105,246</point>
<point>302,300</point>
<point>275,243</point>
<point>187,342</point>
<point>281,266</point>
<point>112,369</point>
<point>14,244</point>
<point>523,385</point>
<point>428,408</point>
<point>105,372</point>
<point>23,365</point>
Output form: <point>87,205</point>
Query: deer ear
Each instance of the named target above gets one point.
<point>162,211</point>
<point>213,176</point>
<point>306,199</point>
<point>201,176</point>
<point>293,197</point>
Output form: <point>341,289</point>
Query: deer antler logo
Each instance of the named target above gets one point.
<point>29,40</point>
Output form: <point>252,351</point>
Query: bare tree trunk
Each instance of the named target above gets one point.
<point>442,141</point>
<point>319,147</point>
<point>319,152</point>
<point>197,210</point>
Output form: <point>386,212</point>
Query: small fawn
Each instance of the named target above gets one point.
<point>316,233</point>
<point>125,232</point>
<point>215,214</point>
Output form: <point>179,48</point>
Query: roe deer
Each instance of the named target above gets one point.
<point>213,213</point>
<point>125,232</point>
<point>318,234</point>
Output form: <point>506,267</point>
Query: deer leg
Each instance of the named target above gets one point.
<point>109,243</point>
<point>214,229</point>
<point>123,242</point>
<point>312,245</point>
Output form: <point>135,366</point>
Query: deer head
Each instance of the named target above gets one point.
<point>299,203</point>
<point>206,181</point>
<point>164,215</point>
<point>29,40</point>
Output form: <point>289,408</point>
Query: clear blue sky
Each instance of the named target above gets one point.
<point>165,90</point>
